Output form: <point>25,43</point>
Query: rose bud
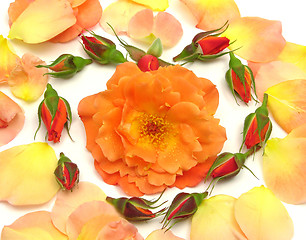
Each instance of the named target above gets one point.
<point>55,112</point>
<point>102,49</point>
<point>148,63</point>
<point>66,173</point>
<point>257,126</point>
<point>135,209</point>
<point>240,79</point>
<point>66,66</point>
<point>205,46</point>
<point>183,206</point>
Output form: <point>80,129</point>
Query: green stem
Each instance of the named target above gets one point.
<point>265,100</point>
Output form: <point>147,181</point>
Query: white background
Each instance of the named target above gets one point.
<point>93,79</point>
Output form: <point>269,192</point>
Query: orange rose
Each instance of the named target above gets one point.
<point>151,130</point>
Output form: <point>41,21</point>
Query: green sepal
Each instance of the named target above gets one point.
<point>63,158</point>
<point>69,119</point>
<point>214,32</point>
<point>188,54</point>
<point>229,80</point>
<point>51,100</point>
<point>156,48</point>
<point>247,123</point>
<point>39,118</point>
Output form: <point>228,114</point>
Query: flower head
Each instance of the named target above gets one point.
<point>240,79</point>
<point>55,112</point>
<point>151,130</point>
<point>148,63</point>
<point>66,173</point>
<point>66,66</point>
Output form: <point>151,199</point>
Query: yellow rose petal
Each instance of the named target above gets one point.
<point>262,216</point>
<point>284,166</point>
<point>26,174</point>
<point>42,20</point>
<point>215,220</point>
<point>32,226</point>
<point>156,5</point>
<point>287,103</point>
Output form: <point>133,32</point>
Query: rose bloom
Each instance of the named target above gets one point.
<point>152,130</point>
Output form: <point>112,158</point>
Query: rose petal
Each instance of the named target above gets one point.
<point>11,119</point>
<point>26,174</point>
<point>76,3</point>
<point>42,20</point>
<point>141,25</point>
<point>32,226</point>
<point>83,213</point>
<point>162,234</point>
<point>262,216</point>
<point>287,103</point>
<point>294,53</point>
<point>212,14</point>
<point>16,8</point>
<point>247,33</point>
<point>215,219</point>
<point>118,15</point>
<point>284,166</point>
<point>8,59</point>
<point>89,14</point>
<point>26,80</point>
<point>156,5</point>
<point>168,29</point>
<point>272,73</point>
<point>67,202</point>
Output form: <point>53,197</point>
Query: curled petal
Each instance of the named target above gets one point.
<point>31,24</point>
<point>162,234</point>
<point>155,5</point>
<point>118,15</point>
<point>272,73</point>
<point>9,59</point>
<point>247,33</point>
<point>215,220</point>
<point>284,166</point>
<point>34,226</point>
<point>26,80</point>
<point>287,103</point>
<point>212,14</point>
<point>11,119</point>
<point>262,216</point>
<point>67,202</point>
<point>26,174</point>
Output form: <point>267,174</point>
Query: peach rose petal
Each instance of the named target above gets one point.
<point>140,26</point>
<point>247,33</point>
<point>83,213</point>
<point>32,226</point>
<point>155,5</point>
<point>67,202</point>
<point>168,29</point>
<point>11,119</point>
<point>76,3</point>
<point>294,53</point>
<point>16,8</point>
<point>118,15</point>
<point>42,20</point>
<point>212,14</point>
<point>8,59</point>
<point>262,216</point>
<point>26,174</point>
<point>26,80</point>
<point>284,166</point>
<point>215,219</point>
<point>272,73</point>
<point>287,103</point>
<point>162,234</point>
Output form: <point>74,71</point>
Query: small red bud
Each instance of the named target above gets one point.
<point>212,45</point>
<point>148,63</point>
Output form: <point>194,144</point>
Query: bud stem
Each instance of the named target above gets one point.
<point>251,151</point>
<point>265,100</point>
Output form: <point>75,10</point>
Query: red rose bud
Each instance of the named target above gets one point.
<point>66,65</point>
<point>102,49</point>
<point>66,173</point>
<point>148,63</point>
<point>183,206</point>
<point>205,46</point>
<point>55,112</point>
<point>240,79</point>
<point>135,209</point>
<point>257,126</point>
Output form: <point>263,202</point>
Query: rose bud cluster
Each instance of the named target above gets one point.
<point>102,49</point>
<point>183,206</point>
<point>66,173</point>
<point>55,112</point>
<point>66,66</point>
<point>240,79</point>
<point>257,126</point>
<point>135,208</point>
<point>205,46</point>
